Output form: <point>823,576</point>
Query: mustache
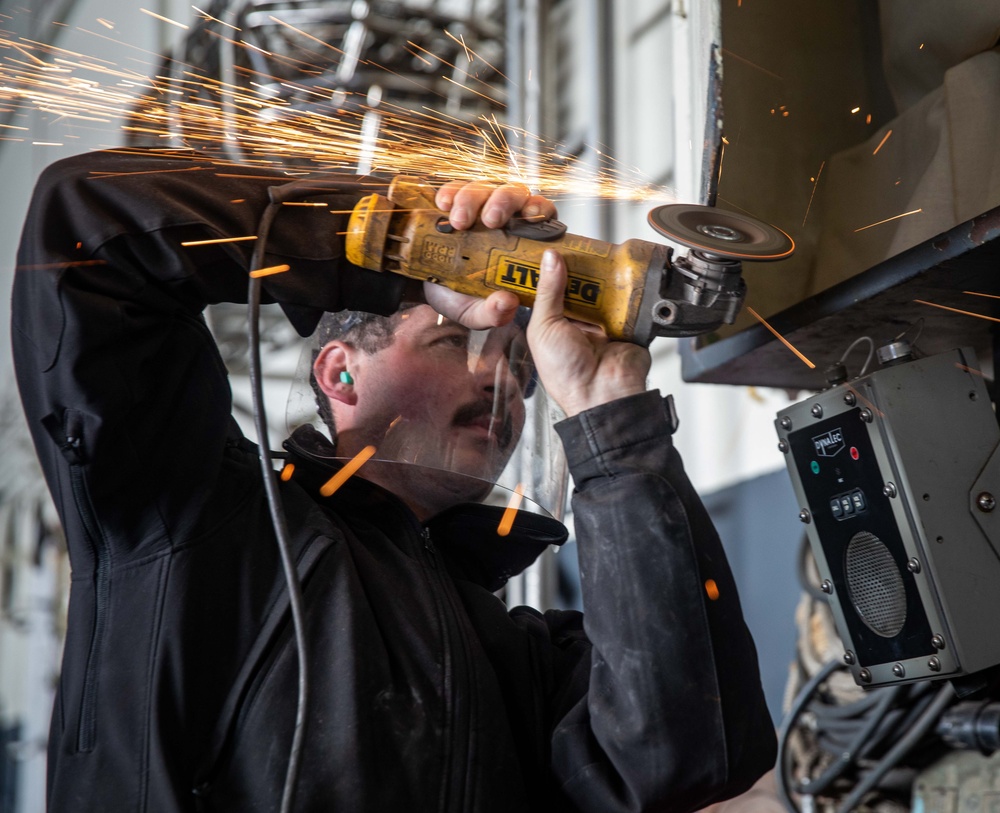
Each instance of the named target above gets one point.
<point>477,410</point>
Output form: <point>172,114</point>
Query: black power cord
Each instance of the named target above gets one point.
<point>277,511</point>
<point>278,195</point>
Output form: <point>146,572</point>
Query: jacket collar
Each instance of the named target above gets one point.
<point>465,533</point>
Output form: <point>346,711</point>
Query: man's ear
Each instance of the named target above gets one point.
<point>330,363</point>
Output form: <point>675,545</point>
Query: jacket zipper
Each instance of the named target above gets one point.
<point>68,438</point>
<point>454,650</point>
<point>102,592</point>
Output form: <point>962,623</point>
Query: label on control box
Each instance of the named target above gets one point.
<point>829,444</point>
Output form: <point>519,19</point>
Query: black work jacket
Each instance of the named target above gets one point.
<point>178,686</point>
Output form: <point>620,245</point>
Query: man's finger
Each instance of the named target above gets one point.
<point>548,305</point>
<point>497,309</point>
<point>466,203</point>
<point>445,196</point>
<point>537,207</point>
<point>505,202</point>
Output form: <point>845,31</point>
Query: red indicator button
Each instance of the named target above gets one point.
<point>854,453</point>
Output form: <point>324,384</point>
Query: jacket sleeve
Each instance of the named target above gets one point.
<point>123,387</point>
<point>673,717</point>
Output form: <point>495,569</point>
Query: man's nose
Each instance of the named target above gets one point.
<point>493,374</point>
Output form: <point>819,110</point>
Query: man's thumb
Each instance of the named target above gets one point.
<point>551,287</point>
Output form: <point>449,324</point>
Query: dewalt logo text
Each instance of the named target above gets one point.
<point>517,275</point>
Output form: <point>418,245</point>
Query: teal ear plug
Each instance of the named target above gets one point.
<point>346,378</point>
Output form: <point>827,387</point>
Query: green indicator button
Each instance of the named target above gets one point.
<point>815,467</point>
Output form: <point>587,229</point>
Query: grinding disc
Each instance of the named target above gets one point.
<point>725,234</point>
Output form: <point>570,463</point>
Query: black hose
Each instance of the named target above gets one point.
<point>886,697</point>
<point>788,723</point>
<point>908,741</point>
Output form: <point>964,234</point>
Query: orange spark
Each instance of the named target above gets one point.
<point>956,310</point>
<point>106,23</point>
<point>976,293</point>
<point>347,472</point>
<point>164,19</point>
<point>781,338</point>
<point>855,110</point>
<point>27,53</point>
<point>813,193</point>
<point>304,34</point>
<point>751,64</point>
<point>301,203</point>
<point>102,175</point>
<point>712,589</point>
<point>894,217</point>
<point>470,90</point>
<point>427,62</point>
<point>468,53</point>
<point>206,16</point>
<point>266,272</point>
<point>884,139</point>
<point>218,240</point>
<point>507,520</point>
<point>287,472</point>
<point>968,369</point>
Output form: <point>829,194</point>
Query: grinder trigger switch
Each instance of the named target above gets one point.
<point>535,229</point>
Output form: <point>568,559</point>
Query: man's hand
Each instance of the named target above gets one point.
<point>578,365</point>
<point>493,206</point>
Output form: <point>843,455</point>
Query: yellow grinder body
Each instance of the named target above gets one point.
<point>632,289</point>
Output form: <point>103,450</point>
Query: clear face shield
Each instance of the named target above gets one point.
<point>438,414</point>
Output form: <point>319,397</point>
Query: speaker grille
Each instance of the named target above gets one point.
<point>875,585</point>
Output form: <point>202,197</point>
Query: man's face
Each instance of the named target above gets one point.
<point>439,397</point>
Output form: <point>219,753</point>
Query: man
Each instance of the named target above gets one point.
<point>178,688</point>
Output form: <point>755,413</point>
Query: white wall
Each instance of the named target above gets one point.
<point>662,56</point>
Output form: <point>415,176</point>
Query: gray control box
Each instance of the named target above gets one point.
<point>897,477</point>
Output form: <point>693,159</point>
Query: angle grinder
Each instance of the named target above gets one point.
<point>636,290</point>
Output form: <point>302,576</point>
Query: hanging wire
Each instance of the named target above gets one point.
<point>919,324</point>
<point>855,343</point>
